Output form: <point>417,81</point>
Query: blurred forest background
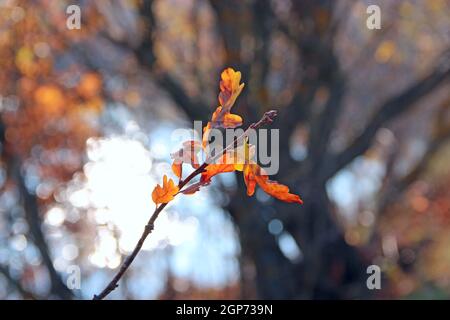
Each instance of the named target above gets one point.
<point>85,131</point>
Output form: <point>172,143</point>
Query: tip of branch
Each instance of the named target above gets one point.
<point>267,118</point>
<point>271,114</point>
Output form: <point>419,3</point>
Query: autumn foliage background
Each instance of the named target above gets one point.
<point>86,123</point>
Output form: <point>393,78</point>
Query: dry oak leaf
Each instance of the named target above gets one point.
<point>223,119</point>
<point>165,193</point>
<point>230,88</point>
<point>253,174</point>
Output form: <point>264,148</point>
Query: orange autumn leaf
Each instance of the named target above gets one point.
<point>253,174</point>
<point>277,190</point>
<point>215,169</point>
<point>250,178</point>
<point>219,119</point>
<point>230,88</point>
<point>226,119</point>
<point>177,168</point>
<point>205,138</point>
<point>231,120</point>
<point>165,193</point>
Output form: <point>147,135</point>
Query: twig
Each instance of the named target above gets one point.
<point>267,118</point>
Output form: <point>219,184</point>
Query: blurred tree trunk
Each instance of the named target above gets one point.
<point>327,264</point>
<point>33,217</point>
<point>265,271</point>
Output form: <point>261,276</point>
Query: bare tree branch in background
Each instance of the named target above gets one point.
<point>439,139</point>
<point>390,110</point>
<point>194,108</point>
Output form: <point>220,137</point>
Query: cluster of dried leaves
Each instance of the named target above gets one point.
<point>233,158</point>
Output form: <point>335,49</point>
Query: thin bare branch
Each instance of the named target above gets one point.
<point>389,110</point>
<point>113,284</point>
